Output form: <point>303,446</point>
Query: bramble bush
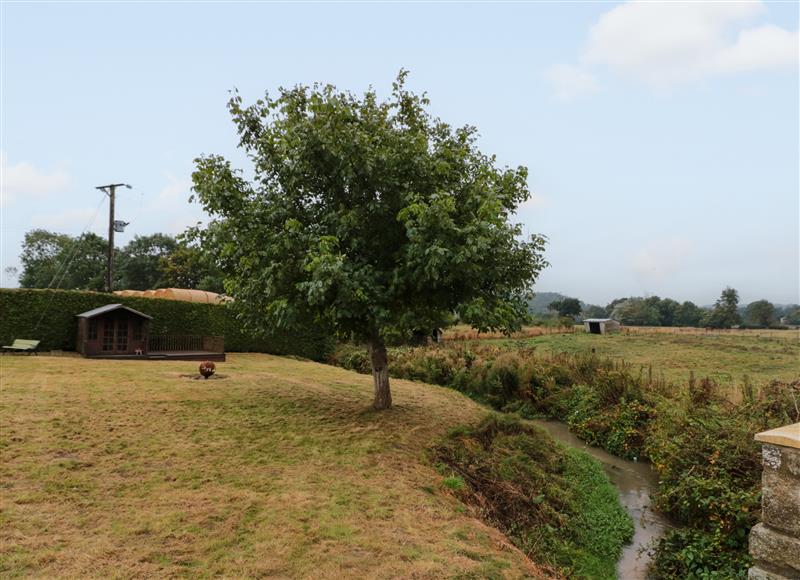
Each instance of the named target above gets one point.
<point>700,443</point>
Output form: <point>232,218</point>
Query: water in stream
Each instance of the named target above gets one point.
<point>635,483</point>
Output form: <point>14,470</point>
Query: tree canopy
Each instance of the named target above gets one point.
<point>55,260</point>
<point>370,216</point>
<point>567,307</point>
<point>760,313</point>
<point>139,263</point>
<point>724,314</point>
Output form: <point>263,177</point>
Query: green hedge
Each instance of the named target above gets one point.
<point>49,316</point>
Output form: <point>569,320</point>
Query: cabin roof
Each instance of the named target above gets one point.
<point>599,320</point>
<point>110,308</point>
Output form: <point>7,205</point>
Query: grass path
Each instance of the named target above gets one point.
<point>119,469</point>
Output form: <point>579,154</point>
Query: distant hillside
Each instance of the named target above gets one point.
<point>538,304</point>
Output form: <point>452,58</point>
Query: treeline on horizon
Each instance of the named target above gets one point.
<point>656,311</point>
<point>60,261</point>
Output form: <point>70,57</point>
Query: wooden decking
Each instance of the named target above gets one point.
<point>167,355</point>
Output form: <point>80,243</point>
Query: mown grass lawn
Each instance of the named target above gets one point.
<point>117,469</point>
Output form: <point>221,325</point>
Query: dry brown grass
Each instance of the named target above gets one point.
<point>464,332</point>
<point>121,469</point>
<point>788,334</point>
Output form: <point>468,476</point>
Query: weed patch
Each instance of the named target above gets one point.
<point>556,504</point>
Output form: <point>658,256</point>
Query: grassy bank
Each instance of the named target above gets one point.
<point>119,469</point>
<point>699,441</point>
<point>556,504</point>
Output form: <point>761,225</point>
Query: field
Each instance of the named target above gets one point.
<point>119,469</point>
<point>725,357</point>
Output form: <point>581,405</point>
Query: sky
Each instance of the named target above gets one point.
<point>662,139</point>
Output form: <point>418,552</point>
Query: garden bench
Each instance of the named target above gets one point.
<point>22,345</point>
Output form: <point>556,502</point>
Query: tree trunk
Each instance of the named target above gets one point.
<point>380,374</point>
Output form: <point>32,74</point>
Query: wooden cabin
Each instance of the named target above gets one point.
<point>113,329</point>
<point>117,331</point>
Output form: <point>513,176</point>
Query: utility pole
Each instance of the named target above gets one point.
<point>110,191</point>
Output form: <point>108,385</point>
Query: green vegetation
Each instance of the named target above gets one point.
<point>725,312</point>
<point>53,260</point>
<point>49,316</point>
<point>729,360</point>
<point>556,504</point>
<point>370,216</point>
<point>700,442</point>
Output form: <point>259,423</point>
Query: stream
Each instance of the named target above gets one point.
<point>635,483</point>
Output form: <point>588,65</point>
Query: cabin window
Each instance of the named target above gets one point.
<point>108,334</point>
<point>122,334</point>
<point>92,335</point>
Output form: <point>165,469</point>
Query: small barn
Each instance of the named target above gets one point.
<point>600,325</point>
<point>112,329</point>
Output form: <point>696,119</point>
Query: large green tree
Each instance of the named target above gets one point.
<point>566,307</point>
<point>370,216</point>
<point>53,260</point>
<point>724,314</point>
<point>190,266</point>
<point>636,311</point>
<point>139,263</point>
<point>761,313</point>
<point>688,314</point>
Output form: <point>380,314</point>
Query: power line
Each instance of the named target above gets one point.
<point>65,265</point>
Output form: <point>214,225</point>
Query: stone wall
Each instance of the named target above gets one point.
<point>775,542</point>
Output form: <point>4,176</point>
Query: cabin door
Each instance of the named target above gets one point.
<point>115,335</point>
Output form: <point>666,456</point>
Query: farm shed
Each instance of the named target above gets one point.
<point>600,325</point>
<point>117,331</point>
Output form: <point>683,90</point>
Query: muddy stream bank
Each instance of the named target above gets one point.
<point>636,482</point>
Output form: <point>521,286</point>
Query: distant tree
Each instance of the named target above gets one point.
<point>189,266</point>
<point>791,314</point>
<point>53,260</point>
<point>760,313</point>
<point>688,314</point>
<point>636,312</point>
<point>566,307</point>
<point>724,314</point>
<point>611,306</point>
<point>668,311</point>
<point>594,311</point>
<point>372,217</point>
<point>139,262</point>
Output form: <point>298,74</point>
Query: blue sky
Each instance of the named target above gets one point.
<point>662,140</point>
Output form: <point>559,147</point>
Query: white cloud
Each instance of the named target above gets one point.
<point>665,44</point>
<point>570,82</point>
<point>759,48</point>
<point>661,258</point>
<point>172,205</point>
<point>23,179</point>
